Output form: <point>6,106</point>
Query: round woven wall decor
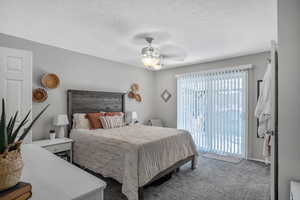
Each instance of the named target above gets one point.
<point>135,87</point>
<point>39,95</point>
<point>50,81</point>
<point>131,95</point>
<point>138,98</point>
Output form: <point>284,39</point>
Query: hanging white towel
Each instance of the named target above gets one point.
<point>267,148</point>
<point>263,110</point>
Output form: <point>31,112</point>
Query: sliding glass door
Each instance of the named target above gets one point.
<point>212,106</point>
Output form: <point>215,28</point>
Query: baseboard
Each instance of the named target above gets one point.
<point>259,160</point>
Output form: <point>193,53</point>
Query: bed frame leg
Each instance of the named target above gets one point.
<point>141,195</point>
<point>193,166</point>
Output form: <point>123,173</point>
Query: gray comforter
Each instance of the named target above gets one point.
<point>132,155</point>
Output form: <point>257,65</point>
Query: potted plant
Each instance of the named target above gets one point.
<point>11,163</point>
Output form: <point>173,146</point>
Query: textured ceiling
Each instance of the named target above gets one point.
<point>203,29</point>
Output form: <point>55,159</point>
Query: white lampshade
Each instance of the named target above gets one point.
<point>131,117</point>
<point>134,115</point>
<point>60,120</point>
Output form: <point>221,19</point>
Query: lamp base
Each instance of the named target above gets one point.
<point>61,132</point>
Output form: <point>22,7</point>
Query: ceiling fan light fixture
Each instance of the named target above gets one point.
<point>150,55</point>
<point>157,67</point>
<point>149,62</point>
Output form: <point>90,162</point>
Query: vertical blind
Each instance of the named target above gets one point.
<point>212,106</point>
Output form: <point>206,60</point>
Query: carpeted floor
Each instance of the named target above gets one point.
<point>212,180</point>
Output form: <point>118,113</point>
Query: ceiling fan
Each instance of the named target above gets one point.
<point>155,58</point>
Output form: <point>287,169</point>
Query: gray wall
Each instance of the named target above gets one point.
<point>78,71</point>
<point>289,98</point>
<point>166,80</point>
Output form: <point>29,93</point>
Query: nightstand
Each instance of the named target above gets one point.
<point>58,146</point>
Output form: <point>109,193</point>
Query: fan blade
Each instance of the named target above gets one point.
<point>157,35</point>
<point>174,57</point>
<point>173,52</point>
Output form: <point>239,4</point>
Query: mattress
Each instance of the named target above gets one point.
<point>132,155</point>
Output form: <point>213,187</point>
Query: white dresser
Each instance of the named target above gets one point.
<point>295,190</point>
<point>53,178</point>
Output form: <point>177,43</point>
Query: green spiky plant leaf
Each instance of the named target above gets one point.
<point>23,122</point>
<point>3,130</point>
<point>10,127</point>
<point>27,129</point>
<point>8,133</point>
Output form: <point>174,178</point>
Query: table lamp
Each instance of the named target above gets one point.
<point>131,117</point>
<point>61,121</point>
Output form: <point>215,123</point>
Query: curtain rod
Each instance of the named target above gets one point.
<point>240,67</point>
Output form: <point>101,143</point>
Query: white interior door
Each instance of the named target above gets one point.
<point>16,83</point>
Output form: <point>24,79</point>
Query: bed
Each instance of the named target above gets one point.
<point>133,155</point>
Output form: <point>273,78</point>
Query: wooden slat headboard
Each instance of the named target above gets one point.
<point>83,101</point>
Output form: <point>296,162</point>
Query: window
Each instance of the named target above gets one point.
<point>212,106</point>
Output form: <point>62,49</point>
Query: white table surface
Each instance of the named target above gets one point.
<point>52,178</point>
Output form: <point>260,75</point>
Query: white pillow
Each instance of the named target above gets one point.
<point>80,121</point>
<point>112,121</point>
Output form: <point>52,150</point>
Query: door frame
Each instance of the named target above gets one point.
<point>274,61</point>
